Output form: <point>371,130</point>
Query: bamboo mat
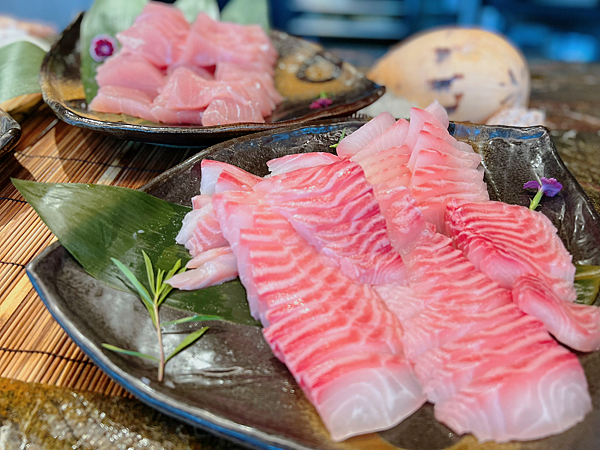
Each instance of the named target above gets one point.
<point>33,347</point>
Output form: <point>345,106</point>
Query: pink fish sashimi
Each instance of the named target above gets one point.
<point>212,170</point>
<point>388,166</point>
<point>336,337</point>
<point>131,71</point>
<point>489,369</point>
<point>200,231</point>
<point>123,100</point>
<point>439,112</point>
<point>289,163</point>
<point>201,200</point>
<point>158,34</point>
<point>210,42</point>
<point>506,241</point>
<point>358,140</point>
<point>177,117</point>
<point>393,136</point>
<point>209,268</point>
<point>575,325</point>
<point>333,207</point>
<point>223,111</point>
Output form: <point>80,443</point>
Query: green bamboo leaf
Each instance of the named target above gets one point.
<point>112,348</point>
<point>104,17</point>
<point>143,293</point>
<point>189,340</point>
<point>96,223</point>
<point>247,12</point>
<point>149,272</point>
<point>587,283</point>
<point>196,318</point>
<point>191,8</point>
<point>19,69</point>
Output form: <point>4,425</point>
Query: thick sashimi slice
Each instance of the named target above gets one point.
<point>349,365</point>
<point>157,34</point>
<point>123,100</point>
<point>186,90</point>
<point>200,200</point>
<point>349,228</point>
<point>394,136</point>
<point>507,241</point>
<point>212,170</point>
<point>216,269</point>
<point>131,71</point>
<point>208,255</point>
<point>299,161</point>
<point>426,140</point>
<point>575,325</point>
<point>223,111</point>
<point>201,231</point>
<point>418,119</point>
<point>358,140</point>
<point>531,399</point>
<point>179,116</point>
<point>439,112</point>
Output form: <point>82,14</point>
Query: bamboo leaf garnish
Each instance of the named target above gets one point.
<point>128,352</point>
<point>341,138</point>
<point>196,318</point>
<point>160,291</point>
<point>189,340</point>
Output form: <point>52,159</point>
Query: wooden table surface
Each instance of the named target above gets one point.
<point>34,349</point>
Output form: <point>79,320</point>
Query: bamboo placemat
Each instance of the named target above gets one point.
<point>33,347</point>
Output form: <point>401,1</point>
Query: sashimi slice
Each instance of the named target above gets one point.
<point>575,325</point>
<point>123,100</point>
<point>212,170</point>
<point>348,228</point>
<point>531,399</point>
<point>130,71</point>
<point>208,255</point>
<point>180,117</point>
<point>289,163</point>
<point>200,231</point>
<point>439,112</point>
<point>418,119</point>
<point>393,136</point>
<point>351,368</point>
<point>358,140</point>
<point>210,270</point>
<point>223,111</point>
<point>426,140</point>
<point>200,200</point>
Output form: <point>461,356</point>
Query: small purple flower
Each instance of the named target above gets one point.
<point>322,102</point>
<point>549,187</point>
<point>102,46</point>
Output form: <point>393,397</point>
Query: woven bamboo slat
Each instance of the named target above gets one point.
<point>33,347</point>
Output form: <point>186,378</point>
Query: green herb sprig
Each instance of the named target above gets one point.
<point>341,138</point>
<point>152,300</point>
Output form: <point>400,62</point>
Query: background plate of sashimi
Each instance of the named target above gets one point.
<point>229,382</point>
<point>302,73</point>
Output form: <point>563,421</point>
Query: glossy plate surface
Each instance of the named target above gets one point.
<point>10,132</point>
<point>303,71</point>
<point>229,382</point>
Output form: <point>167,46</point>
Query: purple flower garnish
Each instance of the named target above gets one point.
<point>322,102</point>
<point>102,46</point>
<point>549,187</point>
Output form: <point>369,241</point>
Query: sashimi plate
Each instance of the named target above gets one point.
<point>302,73</point>
<point>229,382</point>
<point>10,132</point>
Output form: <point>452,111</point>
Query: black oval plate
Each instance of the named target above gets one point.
<point>10,132</point>
<point>229,382</point>
<point>350,90</point>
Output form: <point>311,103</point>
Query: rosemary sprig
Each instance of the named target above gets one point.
<point>152,300</point>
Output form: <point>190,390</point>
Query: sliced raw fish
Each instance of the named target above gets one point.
<point>179,116</point>
<point>393,136</point>
<point>158,34</point>
<point>418,119</point>
<point>223,111</point>
<point>531,398</point>
<point>201,231</point>
<point>131,71</point>
<point>439,112</point>
<point>201,200</point>
<point>208,255</point>
<point>288,163</point>
<point>507,241</point>
<point>358,140</point>
<point>575,325</point>
<point>347,227</point>
<point>349,364</point>
<point>123,100</point>
<point>212,170</point>
<point>216,268</point>
<point>426,140</point>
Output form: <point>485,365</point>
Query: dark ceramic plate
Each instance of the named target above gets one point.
<point>10,132</point>
<point>303,71</point>
<point>229,382</point>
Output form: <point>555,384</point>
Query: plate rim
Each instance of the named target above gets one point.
<point>11,136</point>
